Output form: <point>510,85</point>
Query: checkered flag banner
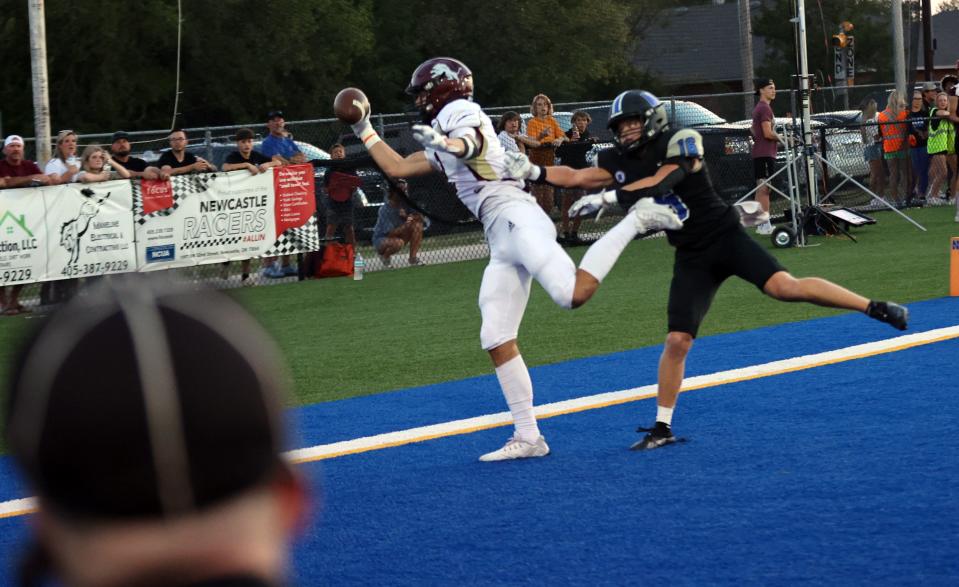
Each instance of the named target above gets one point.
<point>183,186</point>
<point>303,239</point>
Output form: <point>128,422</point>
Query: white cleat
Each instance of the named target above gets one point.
<point>518,449</point>
<point>765,229</point>
<point>651,216</point>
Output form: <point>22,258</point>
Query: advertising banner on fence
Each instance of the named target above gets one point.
<point>197,219</point>
<point>89,229</point>
<point>72,230</point>
<point>22,236</point>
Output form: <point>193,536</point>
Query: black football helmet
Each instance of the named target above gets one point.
<point>444,79</point>
<point>644,106</point>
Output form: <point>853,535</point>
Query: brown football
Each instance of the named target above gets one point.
<point>350,105</point>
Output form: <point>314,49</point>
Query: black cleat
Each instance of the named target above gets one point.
<point>890,313</point>
<point>656,437</point>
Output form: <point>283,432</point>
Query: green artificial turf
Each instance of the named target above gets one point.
<point>401,328</point>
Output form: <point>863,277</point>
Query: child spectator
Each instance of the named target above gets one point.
<point>509,135</point>
<point>573,154</point>
<point>97,165</point>
<point>543,127</point>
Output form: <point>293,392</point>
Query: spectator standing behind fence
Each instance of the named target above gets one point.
<point>61,169</point>
<point>893,130</point>
<point>542,127</point>
<point>178,160</point>
<point>509,136</point>
<point>245,157</point>
<point>149,422</point>
<point>573,154</point>
<point>940,145</point>
<point>19,172</point>
<point>396,225</point>
<point>763,153</point>
<point>97,165</point>
<point>278,142</point>
<point>65,163</point>
<point>918,120</point>
<point>15,172</point>
<point>120,150</point>
<point>872,148</point>
<point>948,84</point>
<point>340,185</point>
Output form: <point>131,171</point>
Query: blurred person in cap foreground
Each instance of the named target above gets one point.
<point>148,421</point>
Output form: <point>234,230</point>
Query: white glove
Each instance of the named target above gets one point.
<point>587,205</point>
<point>429,138</point>
<point>518,166</point>
<point>362,126</point>
<point>751,213</point>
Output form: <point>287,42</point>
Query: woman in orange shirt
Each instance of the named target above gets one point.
<point>895,148</point>
<point>543,127</point>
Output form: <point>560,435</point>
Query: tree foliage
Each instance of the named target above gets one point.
<point>116,66</point>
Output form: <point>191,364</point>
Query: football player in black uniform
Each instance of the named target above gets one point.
<point>652,161</point>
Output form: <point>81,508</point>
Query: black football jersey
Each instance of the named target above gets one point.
<point>704,213</point>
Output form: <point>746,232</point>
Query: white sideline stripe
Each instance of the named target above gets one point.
<point>19,507</point>
<point>389,439</point>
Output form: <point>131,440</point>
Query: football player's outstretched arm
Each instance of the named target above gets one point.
<point>588,178</point>
<point>518,166</point>
<point>391,162</point>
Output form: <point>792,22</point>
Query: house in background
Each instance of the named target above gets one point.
<point>695,50</point>
<point>946,46</point>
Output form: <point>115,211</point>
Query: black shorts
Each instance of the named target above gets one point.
<point>763,167</point>
<point>697,275</point>
<point>339,212</point>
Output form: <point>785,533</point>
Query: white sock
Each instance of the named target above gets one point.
<point>664,415</point>
<point>602,255</point>
<point>517,388</point>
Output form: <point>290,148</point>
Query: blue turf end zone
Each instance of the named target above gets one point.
<point>846,474</point>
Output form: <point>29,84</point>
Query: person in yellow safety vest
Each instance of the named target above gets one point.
<point>893,128</point>
<point>940,145</point>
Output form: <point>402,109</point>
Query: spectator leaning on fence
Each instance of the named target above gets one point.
<point>65,163</point>
<point>19,172</point>
<point>893,129</point>
<point>15,172</point>
<point>149,422</point>
<point>97,165</point>
<point>509,136</point>
<point>278,142</point>
<point>245,157</point>
<point>120,150</point>
<point>178,160</point>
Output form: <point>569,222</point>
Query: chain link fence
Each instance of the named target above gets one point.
<point>452,235</point>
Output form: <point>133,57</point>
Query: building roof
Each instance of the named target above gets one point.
<point>691,44</point>
<point>944,27</point>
